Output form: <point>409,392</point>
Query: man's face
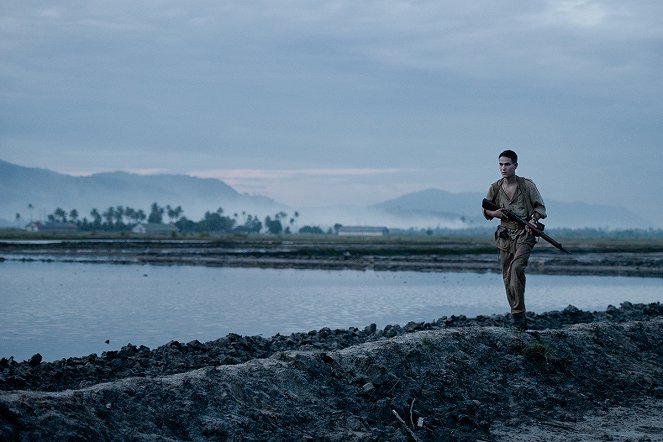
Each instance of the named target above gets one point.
<point>507,167</point>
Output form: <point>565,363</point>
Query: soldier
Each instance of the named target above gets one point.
<point>514,242</point>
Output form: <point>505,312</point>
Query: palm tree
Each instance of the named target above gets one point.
<point>60,215</point>
<point>156,214</point>
<point>173,213</point>
<point>130,214</point>
<point>119,215</point>
<point>109,215</point>
<point>96,217</point>
<point>293,221</point>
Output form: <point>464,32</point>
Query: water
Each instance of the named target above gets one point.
<point>71,309</point>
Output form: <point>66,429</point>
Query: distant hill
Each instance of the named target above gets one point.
<point>435,203</point>
<point>47,190</point>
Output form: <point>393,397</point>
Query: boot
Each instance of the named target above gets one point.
<point>519,321</point>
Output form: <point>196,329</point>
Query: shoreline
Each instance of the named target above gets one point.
<point>232,349</point>
<point>350,254</point>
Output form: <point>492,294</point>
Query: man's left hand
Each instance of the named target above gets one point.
<point>533,221</point>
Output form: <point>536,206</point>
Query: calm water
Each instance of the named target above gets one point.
<point>64,309</point>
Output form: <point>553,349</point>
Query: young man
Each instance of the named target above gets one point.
<point>514,243</point>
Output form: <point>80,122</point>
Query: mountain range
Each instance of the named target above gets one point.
<point>46,190</point>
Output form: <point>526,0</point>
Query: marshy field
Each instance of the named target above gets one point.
<point>590,256</point>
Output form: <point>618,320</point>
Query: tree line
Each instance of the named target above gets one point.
<point>121,218</point>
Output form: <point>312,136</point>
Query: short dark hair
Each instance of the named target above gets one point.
<point>510,154</point>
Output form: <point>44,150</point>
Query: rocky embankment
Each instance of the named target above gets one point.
<point>454,379</point>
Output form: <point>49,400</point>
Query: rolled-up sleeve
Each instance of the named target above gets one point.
<point>537,201</point>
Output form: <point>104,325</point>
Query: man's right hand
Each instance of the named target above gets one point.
<point>496,213</point>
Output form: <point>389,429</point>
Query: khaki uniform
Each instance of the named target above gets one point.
<point>513,242</point>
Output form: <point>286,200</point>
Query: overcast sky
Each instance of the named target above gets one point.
<point>316,103</point>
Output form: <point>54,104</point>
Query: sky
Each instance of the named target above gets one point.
<point>316,103</point>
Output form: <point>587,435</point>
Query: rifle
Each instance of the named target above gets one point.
<point>488,205</point>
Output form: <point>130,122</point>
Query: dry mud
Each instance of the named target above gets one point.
<point>574,376</point>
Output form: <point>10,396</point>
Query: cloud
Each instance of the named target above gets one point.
<point>586,42</point>
<point>583,13</point>
<point>286,96</point>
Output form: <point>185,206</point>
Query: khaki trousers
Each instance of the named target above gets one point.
<point>515,247</point>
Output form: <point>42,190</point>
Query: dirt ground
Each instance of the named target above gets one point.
<point>574,376</point>
<point>640,421</point>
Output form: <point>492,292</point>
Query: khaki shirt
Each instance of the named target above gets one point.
<point>526,200</point>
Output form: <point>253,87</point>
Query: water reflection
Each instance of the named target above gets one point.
<point>65,309</point>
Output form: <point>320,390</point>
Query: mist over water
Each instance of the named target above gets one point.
<point>64,309</point>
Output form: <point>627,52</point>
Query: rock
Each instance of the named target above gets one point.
<point>367,388</point>
<point>413,326</point>
<point>571,310</point>
<point>35,360</point>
